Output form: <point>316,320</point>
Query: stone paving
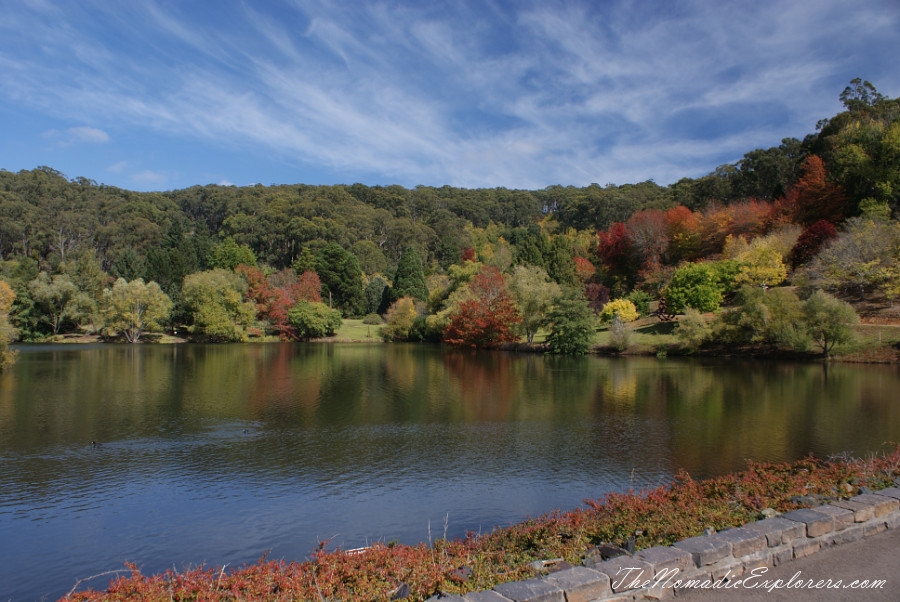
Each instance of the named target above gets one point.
<point>724,557</point>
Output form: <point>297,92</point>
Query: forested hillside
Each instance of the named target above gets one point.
<point>65,244</point>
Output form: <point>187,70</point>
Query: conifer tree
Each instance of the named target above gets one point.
<point>409,280</point>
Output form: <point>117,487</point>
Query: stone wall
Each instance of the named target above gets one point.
<point>655,573</point>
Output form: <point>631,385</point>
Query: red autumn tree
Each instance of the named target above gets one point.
<point>584,269</point>
<point>811,241</point>
<point>257,287</point>
<point>277,313</point>
<point>813,197</point>
<point>749,218</point>
<point>276,295</point>
<point>683,232</point>
<point>615,248</point>
<point>308,288</point>
<point>488,318</point>
<point>715,225</point>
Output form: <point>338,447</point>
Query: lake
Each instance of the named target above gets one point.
<point>219,454</point>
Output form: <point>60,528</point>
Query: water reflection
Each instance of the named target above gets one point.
<point>217,454</point>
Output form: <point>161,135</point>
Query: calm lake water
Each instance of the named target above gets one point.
<point>220,454</point>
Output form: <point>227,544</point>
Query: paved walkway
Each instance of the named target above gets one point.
<point>873,558</point>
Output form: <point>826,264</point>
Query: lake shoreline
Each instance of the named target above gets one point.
<point>866,354</point>
<point>594,536</point>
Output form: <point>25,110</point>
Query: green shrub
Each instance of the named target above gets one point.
<point>372,320</point>
<point>696,285</point>
<point>693,330</point>
<point>773,317</point>
<point>828,320</point>
<point>314,320</point>
<point>641,301</point>
<point>572,326</point>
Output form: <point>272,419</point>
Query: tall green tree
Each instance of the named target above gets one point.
<point>828,320</point>
<point>342,278</point>
<point>132,308</point>
<point>228,255</point>
<point>55,298</point>
<point>219,311</point>
<point>572,326</point>
<point>409,280</point>
<point>558,262</point>
<point>534,294</point>
<point>374,296</point>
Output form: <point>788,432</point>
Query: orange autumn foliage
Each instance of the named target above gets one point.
<point>488,318</point>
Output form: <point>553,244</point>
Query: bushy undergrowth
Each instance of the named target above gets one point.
<point>653,517</point>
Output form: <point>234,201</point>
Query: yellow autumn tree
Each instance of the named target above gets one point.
<point>399,319</point>
<point>762,265</point>
<point>7,332</point>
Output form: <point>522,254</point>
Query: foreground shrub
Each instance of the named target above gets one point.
<point>658,516</point>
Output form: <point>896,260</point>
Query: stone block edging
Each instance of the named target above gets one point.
<point>654,573</point>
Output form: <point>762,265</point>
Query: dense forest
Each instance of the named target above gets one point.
<point>227,263</point>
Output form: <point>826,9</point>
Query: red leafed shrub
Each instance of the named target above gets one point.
<point>597,296</point>
<point>811,241</point>
<point>488,318</point>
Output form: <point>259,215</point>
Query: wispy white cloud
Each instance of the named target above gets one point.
<point>88,134</point>
<point>149,177</point>
<point>521,95</point>
<point>76,135</point>
<point>118,167</point>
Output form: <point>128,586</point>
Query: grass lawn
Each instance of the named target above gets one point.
<point>354,330</point>
<point>645,333</point>
<point>877,343</point>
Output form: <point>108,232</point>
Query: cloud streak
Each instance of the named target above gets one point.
<point>511,94</point>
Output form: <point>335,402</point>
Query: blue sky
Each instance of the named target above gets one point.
<point>164,94</point>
